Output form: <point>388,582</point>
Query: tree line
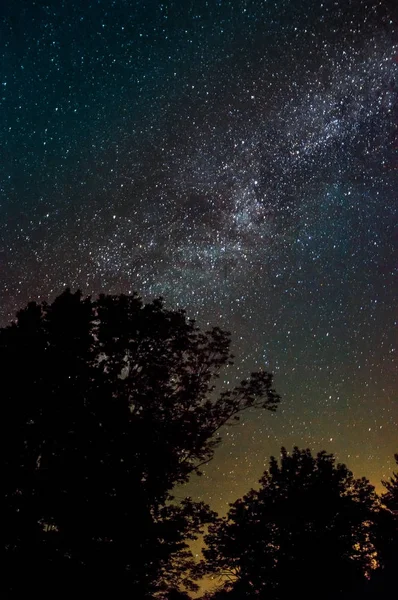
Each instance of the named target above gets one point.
<point>108,404</point>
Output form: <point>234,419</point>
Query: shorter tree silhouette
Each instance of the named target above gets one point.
<point>390,497</point>
<point>384,581</point>
<point>308,530</point>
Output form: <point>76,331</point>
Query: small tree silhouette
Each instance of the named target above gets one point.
<point>307,530</point>
<point>384,580</point>
<point>107,405</point>
<point>390,498</point>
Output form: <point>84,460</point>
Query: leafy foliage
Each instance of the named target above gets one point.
<point>384,581</point>
<point>107,405</point>
<point>309,528</point>
<point>390,498</point>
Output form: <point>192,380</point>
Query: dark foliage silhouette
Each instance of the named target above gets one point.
<point>309,529</point>
<point>107,405</point>
<point>390,498</point>
<point>384,581</point>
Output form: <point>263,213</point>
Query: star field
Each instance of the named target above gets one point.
<point>238,158</point>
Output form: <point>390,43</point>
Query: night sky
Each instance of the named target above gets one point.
<point>238,158</point>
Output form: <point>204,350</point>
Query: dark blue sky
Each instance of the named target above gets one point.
<point>238,158</point>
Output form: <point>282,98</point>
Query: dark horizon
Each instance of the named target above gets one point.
<point>111,407</point>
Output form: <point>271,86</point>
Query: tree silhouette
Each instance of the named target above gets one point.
<point>390,498</point>
<point>107,405</point>
<point>307,530</point>
<point>384,580</point>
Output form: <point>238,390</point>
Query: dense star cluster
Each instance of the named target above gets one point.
<point>238,158</point>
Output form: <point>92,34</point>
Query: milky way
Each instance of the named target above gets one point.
<point>239,159</point>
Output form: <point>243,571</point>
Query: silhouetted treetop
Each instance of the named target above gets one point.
<point>307,529</point>
<point>107,405</point>
<point>390,497</point>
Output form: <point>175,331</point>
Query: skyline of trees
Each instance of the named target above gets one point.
<point>108,404</point>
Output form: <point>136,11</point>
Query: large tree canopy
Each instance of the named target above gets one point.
<point>107,405</point>
<point>308,530</point>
